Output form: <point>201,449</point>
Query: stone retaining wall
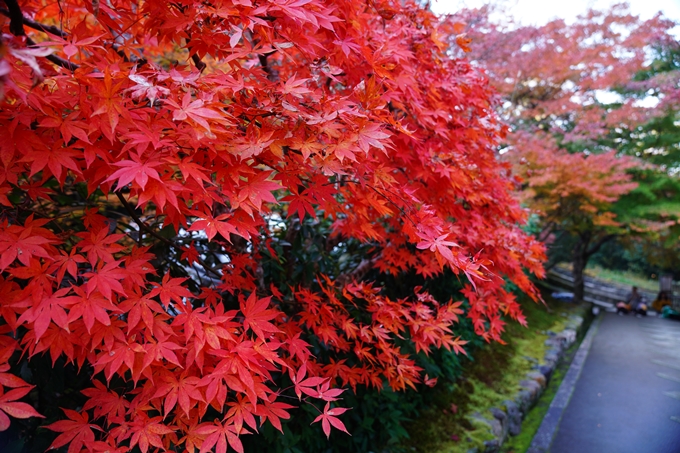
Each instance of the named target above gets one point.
<point>507,420</point>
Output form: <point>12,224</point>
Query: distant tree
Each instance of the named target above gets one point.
<point>656,142</point>
<point>554,80</point>
<point>574,193</point>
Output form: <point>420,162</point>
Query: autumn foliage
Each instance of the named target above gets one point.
<point>574,193</point>
<point>572,187</point>
<point>557,77</point>
<point>158,157</point>
<point>567,88</point>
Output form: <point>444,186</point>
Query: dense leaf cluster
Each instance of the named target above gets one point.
<point>204,204</point>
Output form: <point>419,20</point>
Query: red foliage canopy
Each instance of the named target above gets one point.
<point>214,120</point>
<point>562,75</point>
<point>576,190</point>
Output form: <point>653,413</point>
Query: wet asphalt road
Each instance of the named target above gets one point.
<point>627,399</point>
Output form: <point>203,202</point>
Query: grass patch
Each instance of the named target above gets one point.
<point>623,278</point>
<point>491,377</point>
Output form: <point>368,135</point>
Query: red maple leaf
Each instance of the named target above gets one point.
<point>76,431</point>
<point>147,432</point>
<point>10,380</point>
<point>105,402</point>
<point>440,246</point>
<point>134,171</point>
<point>170,289</point>
<point>183,390</point>
<point>110,103</point>
<point>257,190</point>
<point>194,110</point>
<point>106,280</point>
<point>68,262</point>
<point>257,315</point>
<point>218,435</point>
<point>212,226</point>
<point>50,309</point>
<point>303,385</point>
<point>22,246</point>
<point>329,418</point>
<point>274,412</point>
<point>100,245</point>
<point>9,406</point>
<point>90,307</point>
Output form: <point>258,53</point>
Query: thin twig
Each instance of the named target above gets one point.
<point>402,210</point>
<point>200,65</point>
<point>140,223</point>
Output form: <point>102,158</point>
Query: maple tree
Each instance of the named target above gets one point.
<point>576,194</point>
<point>161,162</point>
<point>554,80</point>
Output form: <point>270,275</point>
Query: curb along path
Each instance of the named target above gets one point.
<point>546,432</point>
<point>508,420</point>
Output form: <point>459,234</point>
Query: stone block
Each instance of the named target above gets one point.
<point>538,377</point>
<point>492,446</point>
<point>524,400</point>
<point>514,416</point>
<point>498,414</point>
<point>547,370</point>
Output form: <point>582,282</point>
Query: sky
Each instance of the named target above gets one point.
<point>539,12</point>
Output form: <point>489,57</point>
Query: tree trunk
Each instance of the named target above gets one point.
<point>579,262</point>
<point>582,253</point>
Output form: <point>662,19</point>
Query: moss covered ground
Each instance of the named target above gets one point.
<point>489,378</point>
<point>532,422</point>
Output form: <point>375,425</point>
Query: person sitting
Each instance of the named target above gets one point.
<point>663,299</point>
<point>633,303</point>
<point>641,308</point>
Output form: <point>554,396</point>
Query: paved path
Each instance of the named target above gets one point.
<point>627,399</point>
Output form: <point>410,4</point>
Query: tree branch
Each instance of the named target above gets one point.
<point>198,62</point>
<point>200,65</point>
<point>357,273</point>
<point>596,246</point>
<point>272,74</point>
<point>16,26</point>
<point>546,231</point>
<point>559,236</point>
<point>16,18</point>
<point>549,265</point>
<point>143,226</point>
<point>35,25</point>
<point>140,223</point>
<point>263,62</point>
